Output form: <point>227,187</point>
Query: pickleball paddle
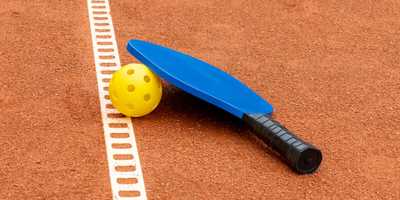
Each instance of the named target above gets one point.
<point>224,91</point>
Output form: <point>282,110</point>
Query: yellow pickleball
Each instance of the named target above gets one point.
<point>135,90</point>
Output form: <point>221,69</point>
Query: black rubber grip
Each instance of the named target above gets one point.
<point>300,156</point>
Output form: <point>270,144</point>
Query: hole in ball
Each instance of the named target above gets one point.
<point>146,79</point>
<point>131,88</point>
<point>130,71</point>
<point>146,97</point>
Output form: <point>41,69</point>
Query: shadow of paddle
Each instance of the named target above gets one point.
<point>182,104</point>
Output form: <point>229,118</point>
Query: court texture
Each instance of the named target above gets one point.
<point>330,68</point>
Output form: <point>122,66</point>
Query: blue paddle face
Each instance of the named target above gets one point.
<point>199,79</point>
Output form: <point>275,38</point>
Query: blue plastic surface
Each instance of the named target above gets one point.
<point>199,79</point>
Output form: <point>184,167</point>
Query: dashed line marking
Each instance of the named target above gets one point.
<point>123,158</point>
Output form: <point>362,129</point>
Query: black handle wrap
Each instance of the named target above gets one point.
<point>301,156</point>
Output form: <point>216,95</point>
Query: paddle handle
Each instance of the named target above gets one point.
<point>301,156</point>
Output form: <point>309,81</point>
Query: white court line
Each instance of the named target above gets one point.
<point>123,158</point>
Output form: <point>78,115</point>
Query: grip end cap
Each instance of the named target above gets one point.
<point>305,161</point>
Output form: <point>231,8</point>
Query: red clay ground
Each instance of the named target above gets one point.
<point>331,70</point>
<point>51,140</point>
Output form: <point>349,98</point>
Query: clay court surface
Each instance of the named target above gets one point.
<point>330,68</point>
